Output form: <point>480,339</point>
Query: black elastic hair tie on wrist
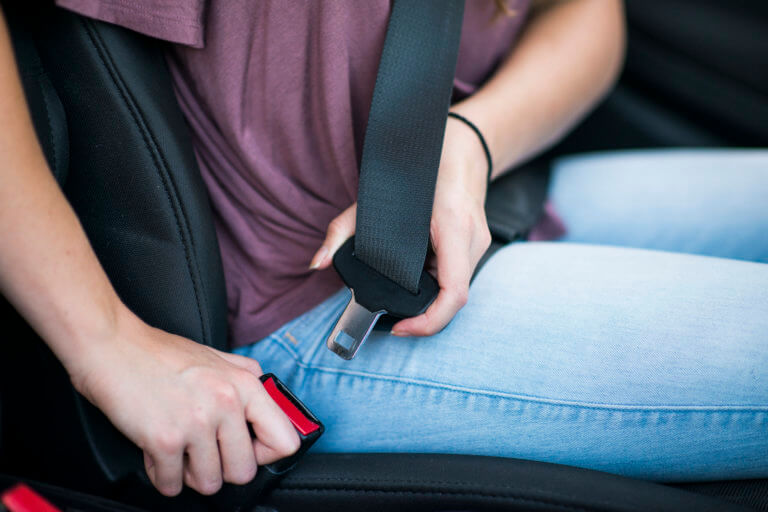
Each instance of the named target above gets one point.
<point>479,136</point>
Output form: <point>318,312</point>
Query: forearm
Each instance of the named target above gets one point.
<point>47,267</point>
<point>566,59</point>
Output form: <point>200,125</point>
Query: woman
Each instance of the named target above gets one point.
<point>643,363</point>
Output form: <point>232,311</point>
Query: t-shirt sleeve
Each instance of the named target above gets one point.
<point>176,21</point>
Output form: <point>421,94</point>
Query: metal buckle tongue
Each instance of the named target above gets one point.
<point>352,328</point>
<point>373,295</point>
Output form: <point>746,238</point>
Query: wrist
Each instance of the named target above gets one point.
<point>90,342</point>
<point>464,162</point>
<point>486,153</point>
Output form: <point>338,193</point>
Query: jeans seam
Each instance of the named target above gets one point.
<point>312,352</point>
<point>523,398</point>
<point>278,338</point>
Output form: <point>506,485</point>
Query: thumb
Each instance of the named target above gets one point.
<point>339,230</point>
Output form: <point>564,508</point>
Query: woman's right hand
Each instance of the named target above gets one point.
<point>186,406</point>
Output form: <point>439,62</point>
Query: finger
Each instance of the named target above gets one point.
<point>433,320</point>
<point>204,464</point>
<point>246,363</point>
<point>339,230</point>
<point>454,270</point>
<point>238,460</point>
<point>431,265</point>
<point>149,467</point>
<point>275,436</point>
<point>164,465</point>
<point>148,462</point>
<point>265,454</point>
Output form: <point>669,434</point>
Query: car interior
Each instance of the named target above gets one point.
<point>696,75</point>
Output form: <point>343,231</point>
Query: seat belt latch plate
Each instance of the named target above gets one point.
<point>352,328</point>
<point>373,295</point>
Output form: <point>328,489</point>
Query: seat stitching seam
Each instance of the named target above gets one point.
<point>158,159</point>
<point>391,481</point>
<point>517,498</point>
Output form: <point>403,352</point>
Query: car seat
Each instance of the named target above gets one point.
<point>104,110</point>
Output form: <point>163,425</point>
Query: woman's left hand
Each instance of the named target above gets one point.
<point>459,232</point>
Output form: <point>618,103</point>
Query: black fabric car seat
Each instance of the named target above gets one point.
<point>107,118</point>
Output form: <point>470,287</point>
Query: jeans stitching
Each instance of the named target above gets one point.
<point>520,398</point>
<point>309,367</point>
<point>278,338</point>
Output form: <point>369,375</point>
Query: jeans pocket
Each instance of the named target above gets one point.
<point>303,336</point>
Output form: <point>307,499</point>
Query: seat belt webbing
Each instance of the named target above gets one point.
<point>404,137</point>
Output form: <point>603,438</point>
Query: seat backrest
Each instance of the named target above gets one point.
<point>133,178</point>
<point>130,173</point>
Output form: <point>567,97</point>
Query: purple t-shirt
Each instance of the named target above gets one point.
<point>277,96</point>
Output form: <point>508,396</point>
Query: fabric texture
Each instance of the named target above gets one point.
<point>170,20</point>
<point>404,138</point>
<point>277,100</point>
<point>644,363</point>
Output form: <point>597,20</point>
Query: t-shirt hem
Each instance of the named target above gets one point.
<point>186,30</point>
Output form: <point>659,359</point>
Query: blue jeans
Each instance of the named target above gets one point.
<point>646,363</point>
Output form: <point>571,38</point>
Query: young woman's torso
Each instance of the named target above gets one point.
<point>277,96</point>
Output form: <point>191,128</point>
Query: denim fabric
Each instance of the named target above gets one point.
<point>712,202</point>
<point>650,364</point>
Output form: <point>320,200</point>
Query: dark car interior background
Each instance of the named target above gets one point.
<point>696,76</point>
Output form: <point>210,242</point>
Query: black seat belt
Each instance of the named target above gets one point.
<point>383,264</point>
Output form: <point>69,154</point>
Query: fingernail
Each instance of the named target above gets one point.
<point>319,257</point>
<point>399,332</point>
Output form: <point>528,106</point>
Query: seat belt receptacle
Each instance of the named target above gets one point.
<point>236,498</point>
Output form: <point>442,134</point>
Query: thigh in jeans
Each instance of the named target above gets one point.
<point>709,202</point>
<point>636,362</point>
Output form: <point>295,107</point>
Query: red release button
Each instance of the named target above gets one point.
<point>301,422</point>
<point>21,498</point>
